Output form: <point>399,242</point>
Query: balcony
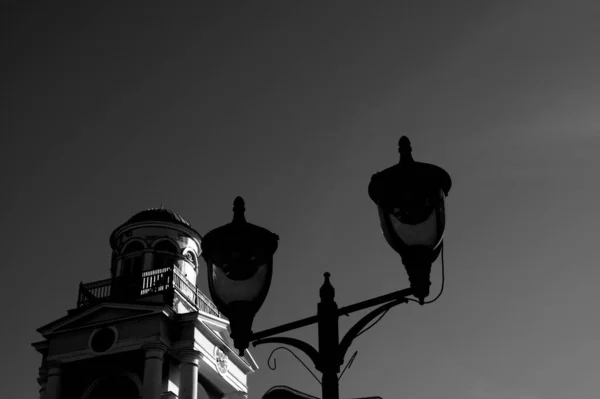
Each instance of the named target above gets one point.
<point>147,284</point>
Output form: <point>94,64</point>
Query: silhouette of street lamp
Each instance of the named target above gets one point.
<point>239,256</point>
<point>410,200</point>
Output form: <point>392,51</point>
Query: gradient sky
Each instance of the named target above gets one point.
<point>110,109</point>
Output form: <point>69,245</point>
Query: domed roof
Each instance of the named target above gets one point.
<point>157,215</point>
<point>153,215</point>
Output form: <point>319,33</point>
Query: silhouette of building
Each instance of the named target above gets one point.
<point>147,331</point>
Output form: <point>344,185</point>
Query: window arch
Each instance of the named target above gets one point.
<point>133,258</point>
<point>123,386</point>
<point>191,257</point>
<point>132,246</point>
<point>166,254</point>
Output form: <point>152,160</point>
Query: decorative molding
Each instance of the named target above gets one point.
<point>189,356</point>
<point>41,347</point>
<point>54,368</point>
<point>190,251</point>
<point>221,360</point>
<point>116,339</point>
<point>150,309</point>
<point>155,349</point>
<point>121,347</point>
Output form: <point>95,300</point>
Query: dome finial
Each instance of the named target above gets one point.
<point>238,209</point>
<point>405,149</point>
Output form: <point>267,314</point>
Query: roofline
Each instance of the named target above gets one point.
<point>83,311</point>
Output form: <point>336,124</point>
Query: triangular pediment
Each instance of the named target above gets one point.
<point>97,315</point>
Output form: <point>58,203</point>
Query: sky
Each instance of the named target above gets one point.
<point>112,107</point>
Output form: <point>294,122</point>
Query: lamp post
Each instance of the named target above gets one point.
<point>410,201</point>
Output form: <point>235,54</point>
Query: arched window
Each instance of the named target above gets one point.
<point>191,258</point>
<point>118,387</point>
<point>134,246</point>
<point>165,254</point>
<point>133,259</point>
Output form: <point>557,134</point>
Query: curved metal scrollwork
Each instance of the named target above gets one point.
<point>296,343</point>
<point>274,366</point>
<point>348,365</point>
<point>355,331</point>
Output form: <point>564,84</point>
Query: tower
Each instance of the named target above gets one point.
<point>147,332</point>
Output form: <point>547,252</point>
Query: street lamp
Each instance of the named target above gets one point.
<point>410,200</point>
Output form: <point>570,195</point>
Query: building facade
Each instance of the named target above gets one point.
<point>147,332</point>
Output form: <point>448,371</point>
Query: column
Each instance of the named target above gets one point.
<point>188,386</point>
<point>153,366</point>
<point>43,380</point>
<point>53,381</point>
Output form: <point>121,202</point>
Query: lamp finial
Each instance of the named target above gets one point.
<point>238,209</point>
<point>327,292</point>
<point>405,149</point>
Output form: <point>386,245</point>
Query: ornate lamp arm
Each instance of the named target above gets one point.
<point>296,343</point>
<point>346,310</point>
<point>355,330</point>
<point>330,355</point>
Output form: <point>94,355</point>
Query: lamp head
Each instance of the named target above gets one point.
<point>239,258</point>
<point>410,198</point>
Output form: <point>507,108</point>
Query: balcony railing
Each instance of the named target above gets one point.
<point>148,283</point>
<point>192,293</point>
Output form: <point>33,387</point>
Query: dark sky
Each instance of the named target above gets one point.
<point>113,108</point>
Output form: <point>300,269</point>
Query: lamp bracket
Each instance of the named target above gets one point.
<point>310,351</point>
<point>355,330</point>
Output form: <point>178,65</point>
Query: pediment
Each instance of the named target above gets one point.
<point>97,315</point>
